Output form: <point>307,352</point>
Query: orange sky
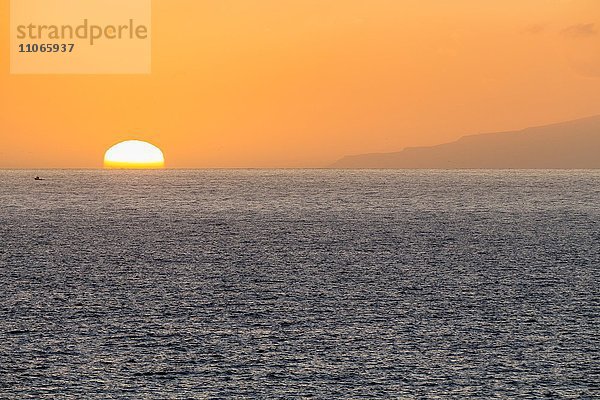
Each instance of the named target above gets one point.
<point>301,83</point>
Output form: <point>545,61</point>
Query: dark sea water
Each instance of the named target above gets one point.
<point>300,284</point>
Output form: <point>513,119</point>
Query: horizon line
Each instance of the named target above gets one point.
<point>291,168</point>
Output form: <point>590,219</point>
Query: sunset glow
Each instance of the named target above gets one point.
<point>134,154</point>
<point>304,83</point>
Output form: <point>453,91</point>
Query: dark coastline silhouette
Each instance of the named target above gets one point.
<point>567,145</point>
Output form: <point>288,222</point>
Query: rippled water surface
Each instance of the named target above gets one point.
<point>299,284</point>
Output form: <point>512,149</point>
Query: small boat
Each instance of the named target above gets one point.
<point>37,178</point>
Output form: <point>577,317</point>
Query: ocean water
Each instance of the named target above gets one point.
<point>278,284</point>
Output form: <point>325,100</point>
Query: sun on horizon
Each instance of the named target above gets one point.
<point>134,154</point>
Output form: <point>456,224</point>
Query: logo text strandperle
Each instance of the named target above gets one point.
<point>85,31</point>
<point>81,36</point>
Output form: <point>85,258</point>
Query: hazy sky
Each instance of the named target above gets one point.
<point>272,83</point>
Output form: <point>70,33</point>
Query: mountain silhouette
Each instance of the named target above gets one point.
<point>566,145</point>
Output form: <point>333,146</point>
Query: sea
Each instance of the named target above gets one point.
<point>300,284</point>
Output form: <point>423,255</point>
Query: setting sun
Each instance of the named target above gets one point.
<point>134,154</point>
